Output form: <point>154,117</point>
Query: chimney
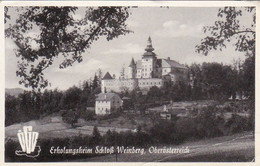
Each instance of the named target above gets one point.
<point>169,58</point>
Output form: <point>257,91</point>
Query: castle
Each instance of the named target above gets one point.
<point>146,73</point>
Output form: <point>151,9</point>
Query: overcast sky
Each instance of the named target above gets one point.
<point>174,33</point>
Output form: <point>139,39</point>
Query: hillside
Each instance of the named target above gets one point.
<point>54,127</point>
<point>13,91</point>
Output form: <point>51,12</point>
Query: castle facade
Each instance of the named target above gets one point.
<point>146,73</point>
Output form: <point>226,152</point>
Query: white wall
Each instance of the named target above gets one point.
<point>102,107</point>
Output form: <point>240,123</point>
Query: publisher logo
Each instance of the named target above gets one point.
<point>28,140</point>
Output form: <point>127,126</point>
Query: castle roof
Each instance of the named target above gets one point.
<point>164,63</point>
<point>149,47</point>
<point>172,64</point>
<point>132,64</point>
<point>107,76</point>
<point>146,54</point>
<point>106,96</point>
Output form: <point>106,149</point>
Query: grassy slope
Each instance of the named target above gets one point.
<point>54,127</point>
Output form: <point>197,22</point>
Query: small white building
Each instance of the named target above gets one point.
<point>107,102</point>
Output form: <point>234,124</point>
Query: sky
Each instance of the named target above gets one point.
<point>174,31</point>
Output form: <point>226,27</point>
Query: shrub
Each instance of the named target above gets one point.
<point>207,122</point>
<point>237,124</point>
<point>87,114</point>
<point>71,117</point>
<point>163,132</point>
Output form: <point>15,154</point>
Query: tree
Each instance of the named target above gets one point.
<point>11,110</point>
<point>59,34</point>
<point>229,29</point>
<point>71,117</point>
<point>249,77</point>
<point>71,98</point>
<point>122,72</point>
<point>96,136</point>
<point>95,83</point>
<point>99,75</point>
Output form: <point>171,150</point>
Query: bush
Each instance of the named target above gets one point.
<point>109,116</point>
<point>237,124</point>
<point>163,132</point>
<point>87,114</point>
<point>71,117</point>
<point>185,128</point>
<point>207,122</point>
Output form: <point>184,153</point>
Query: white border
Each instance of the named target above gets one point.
<point>129,3</point>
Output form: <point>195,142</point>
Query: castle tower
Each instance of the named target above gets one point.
<point>148,60</point>
<point>149,47</point>
<point>132,69</point>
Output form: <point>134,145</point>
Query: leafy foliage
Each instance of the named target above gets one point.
<point>71,117</point>
<point>59,34</point>
<point>31,105</point>
<point>229,29</point>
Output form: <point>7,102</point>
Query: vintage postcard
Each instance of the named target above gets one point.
<point>130,82</point>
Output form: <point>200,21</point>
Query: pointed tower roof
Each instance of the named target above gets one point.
<point>132,64</point>
<point>107,76</point>
<point>149,47</point>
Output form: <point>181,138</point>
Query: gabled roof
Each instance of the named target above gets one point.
<point>106,96</point>
<point>172,63</point>
<point>107,76</point>
<point>132,64</point>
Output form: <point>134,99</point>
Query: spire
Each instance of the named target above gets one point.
<point>107,76</point>
<point>132,64</point>
<point>149,47</point>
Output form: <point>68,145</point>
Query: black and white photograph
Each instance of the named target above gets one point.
<point>129,83</point>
